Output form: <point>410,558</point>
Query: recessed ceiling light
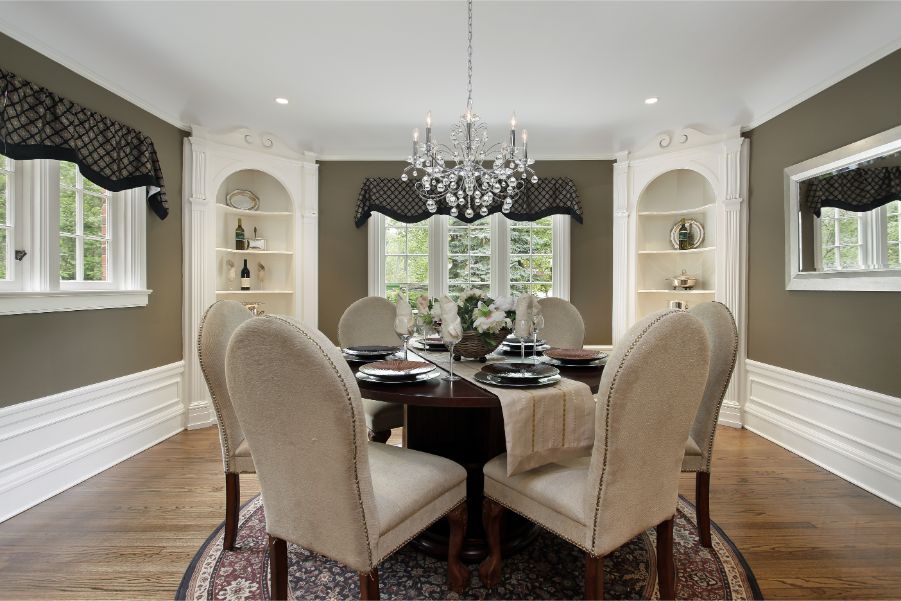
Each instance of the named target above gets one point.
<point>651,100</point>
<point>282,100</point>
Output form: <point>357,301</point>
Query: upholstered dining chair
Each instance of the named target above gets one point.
<point>370,320</point>
<point>563,324</point>
<point>216,328</point>
<point>649,394</point>
<point>723,338</point>
<point>324,486</point>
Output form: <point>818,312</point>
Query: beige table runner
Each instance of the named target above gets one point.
<point>541,425</point>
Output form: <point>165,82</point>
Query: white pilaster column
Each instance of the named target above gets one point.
<point>621,260</point>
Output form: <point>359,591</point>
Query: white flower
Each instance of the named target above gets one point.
<point>239,590</point>
<point>423,303</point>
<point>503,303</point>
<point>494,321</point>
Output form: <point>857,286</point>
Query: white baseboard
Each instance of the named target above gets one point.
<point>852,432</point>
<point>200,415</point>
<point>50,444</point>
<point>730,414</point>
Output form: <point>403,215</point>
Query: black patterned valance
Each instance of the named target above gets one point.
<point>35,123</point>
<point>398,200</point>
<point>857,190</point>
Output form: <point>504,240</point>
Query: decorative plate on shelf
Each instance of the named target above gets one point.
<point>695,234</point>
<point>484,378</point>
<point>397,369</point>
<point>243,199</point>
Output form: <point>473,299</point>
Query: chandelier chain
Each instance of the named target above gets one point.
<point>461,176</point>
<point>469,60</point>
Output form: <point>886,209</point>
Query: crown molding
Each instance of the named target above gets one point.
<point>68,62</point>
<point>825,84</point>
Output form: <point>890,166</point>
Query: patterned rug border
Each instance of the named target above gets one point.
<point>182,591</point>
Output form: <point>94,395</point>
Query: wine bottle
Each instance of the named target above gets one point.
<point>683,235</point>
<point>240,241</point>
<point>245,277</point>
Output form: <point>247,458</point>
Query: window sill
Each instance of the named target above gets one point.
<point>17,303</point>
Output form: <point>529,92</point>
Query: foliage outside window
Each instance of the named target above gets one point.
<point>866,240</point>
<point>468,256</point>
<point>531,257</point>
<point>83,227</point>
<point>406,258</point>
<point>893,218</point>
<point>6,237</point>
<point>840,235</point>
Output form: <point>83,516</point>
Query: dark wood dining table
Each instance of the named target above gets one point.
<point>463,422</point>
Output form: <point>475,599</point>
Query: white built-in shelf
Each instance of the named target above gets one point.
<point>700,209</point>
<point>671,291</point>
<point>702,249</point>
<point>228,209</point>
<point>254,292</point>
<point>254,251</point>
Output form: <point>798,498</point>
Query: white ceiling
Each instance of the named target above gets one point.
<point>361,75</point>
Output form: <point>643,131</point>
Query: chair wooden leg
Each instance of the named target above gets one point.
<point>666,567</point>
<point>232,509</point>
<point>490,570</point>
<point>380,436</point>
<point>278,568</point>
<point>594,577</point>
<point>457,573</point>
<point>702,507</point>
<point>369,585</point>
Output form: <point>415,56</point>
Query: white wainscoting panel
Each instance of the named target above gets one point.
<point>852,432</point>
<point>50,444</point>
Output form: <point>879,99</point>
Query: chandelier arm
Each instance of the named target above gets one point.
<point>469,58</point>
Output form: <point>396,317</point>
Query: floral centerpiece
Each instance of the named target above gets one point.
<point>485,321</point>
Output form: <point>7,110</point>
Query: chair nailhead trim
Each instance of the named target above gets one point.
<point>709,455</point>
<point>223,436</point>
<point>353,427</point>
<point>540,523</point>
<point>619,368</point>
<point>418,532</point>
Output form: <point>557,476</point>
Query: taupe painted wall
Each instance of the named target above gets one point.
<point>849,337</point>
<point>47,353</point>
<point>343,247</point>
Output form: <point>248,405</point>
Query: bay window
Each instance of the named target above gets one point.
<point>444,255</point>
<point>847,240</point>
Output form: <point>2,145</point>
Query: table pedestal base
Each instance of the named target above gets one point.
<point>471,436</point>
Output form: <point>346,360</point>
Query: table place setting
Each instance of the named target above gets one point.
<point>398,372</point>
<point>568,357</point>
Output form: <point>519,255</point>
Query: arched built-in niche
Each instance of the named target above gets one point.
<point>272,223</point>
<point>671,196</point>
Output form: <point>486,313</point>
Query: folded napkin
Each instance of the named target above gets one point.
<point>403,320</point>
<point>525,308</point>
<point>451,328</point>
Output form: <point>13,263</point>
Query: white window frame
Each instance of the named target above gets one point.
<point>37,287</point>
<point>873,241</point>
<point>500,255</point>
<point>13,185</point>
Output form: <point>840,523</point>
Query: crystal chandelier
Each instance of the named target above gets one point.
<point>457,175</point>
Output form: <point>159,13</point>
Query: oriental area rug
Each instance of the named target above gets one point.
<point>550,568</point>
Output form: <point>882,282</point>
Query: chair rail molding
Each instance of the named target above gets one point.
<point>50,444</point>
<point>209,159</point>
<point>852,432</point>
<point>721,159</point>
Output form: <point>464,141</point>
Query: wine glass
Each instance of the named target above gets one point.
<point>523,330</point>
<point>403,326</point>
<point>537,325</point>
<point>451,341</point>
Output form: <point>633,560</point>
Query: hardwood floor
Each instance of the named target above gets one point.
<point>131,531</point>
